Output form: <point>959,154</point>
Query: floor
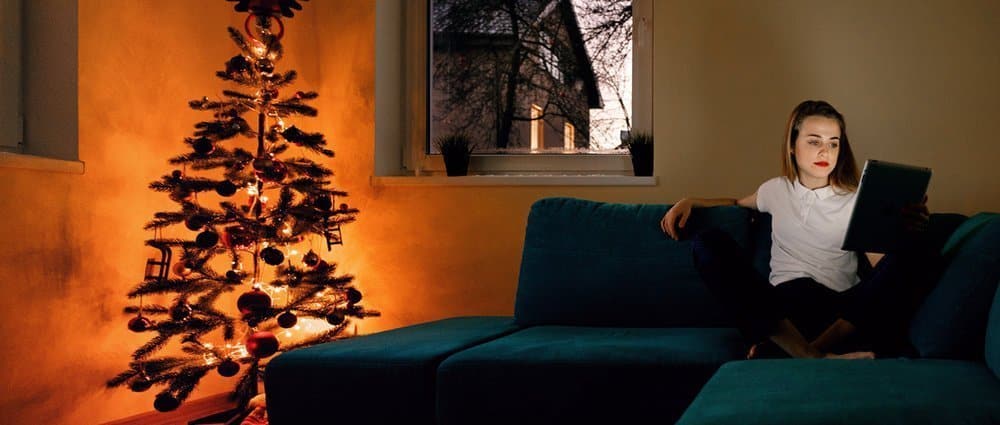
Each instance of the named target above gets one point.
<point>189,411</point>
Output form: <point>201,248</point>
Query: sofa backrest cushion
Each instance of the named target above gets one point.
<point>993,335</point>
<point>589,263</point>
<point>951,322</point>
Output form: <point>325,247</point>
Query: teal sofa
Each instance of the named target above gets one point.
<point>613,325</point>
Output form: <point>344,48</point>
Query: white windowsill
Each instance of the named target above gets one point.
<point>513,180</point>
<point>40,163</point>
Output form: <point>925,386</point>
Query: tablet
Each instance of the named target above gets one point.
<point>885,188</point>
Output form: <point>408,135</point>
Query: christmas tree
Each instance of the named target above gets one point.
<point>250,243</point>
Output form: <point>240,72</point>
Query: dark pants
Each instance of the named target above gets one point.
<point>880,306</point>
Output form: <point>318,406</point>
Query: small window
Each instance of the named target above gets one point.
<point>568,135</point>
<point>537,128</point>
<point>10,76</point>
<point>38,83</point>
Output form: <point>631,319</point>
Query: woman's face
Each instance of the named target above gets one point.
<point>816,149</point>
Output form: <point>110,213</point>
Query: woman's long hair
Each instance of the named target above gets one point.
<point>844,176</point>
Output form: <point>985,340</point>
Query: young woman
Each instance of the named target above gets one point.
<point>813,298</point>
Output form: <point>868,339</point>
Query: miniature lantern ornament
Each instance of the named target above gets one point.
<point>158,269</point>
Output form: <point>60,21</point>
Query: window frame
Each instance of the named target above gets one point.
<point>48,87</point>
<point>402,69</point>
<point>11,109</point>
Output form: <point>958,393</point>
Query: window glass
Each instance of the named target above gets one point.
<point>531,76</point>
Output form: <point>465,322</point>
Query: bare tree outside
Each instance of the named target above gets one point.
<point>520,76</point>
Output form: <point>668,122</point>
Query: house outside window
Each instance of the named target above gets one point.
<point>493,62</point>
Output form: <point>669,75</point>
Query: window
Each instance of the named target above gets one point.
<point>10,75</point>
<point>512,133</point>
<point>568,130</point>
<point>39,66</point>
<point>537,128</point>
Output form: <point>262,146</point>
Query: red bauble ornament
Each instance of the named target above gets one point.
<point>335,318</point>
<point>254,301</point>
<point>206,239</point>
<point>234,276</point>
<point>236,237</point>
<point>180,311</point>
<point>181,269</point>
<point>287,320</point>
<point>323,202</point>
<point>226,188</point>
<point>140,384</point>
<point>262,344</point>
<point>203,146</point>
<point>197,221</point>
<point>272,255</point>
<point>228,368</point>
<point>353,295</point>
<point>311,259</point>
<point>276,173</point>
<point>269,169</point>
<point>139,324</point>
<point>165,402</point>
<point>237,64</point>
<point>269,95</point>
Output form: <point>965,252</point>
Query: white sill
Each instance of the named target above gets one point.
<point>40,163</point>
<point>514,180</point>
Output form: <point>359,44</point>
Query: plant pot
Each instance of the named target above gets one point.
<point>457,165</point>
<point>642,159</point>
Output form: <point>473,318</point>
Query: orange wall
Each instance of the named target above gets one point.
<point>73,243</point>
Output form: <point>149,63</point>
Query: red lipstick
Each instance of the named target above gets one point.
<point>822,163</point>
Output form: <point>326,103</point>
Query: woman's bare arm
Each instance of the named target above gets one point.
<point>678,215</point>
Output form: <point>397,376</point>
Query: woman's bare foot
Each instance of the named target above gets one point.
<point>867,355</point>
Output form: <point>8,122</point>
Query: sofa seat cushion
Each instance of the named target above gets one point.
<point>386,377</point>
<point>561,374</point>
<point>896,391</point>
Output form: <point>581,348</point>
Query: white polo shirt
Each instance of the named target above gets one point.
<point>808,228</point>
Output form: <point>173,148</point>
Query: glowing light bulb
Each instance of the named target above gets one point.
<point>263,199</point>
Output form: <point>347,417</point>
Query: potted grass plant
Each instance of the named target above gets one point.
<point>640,148</point>
<point>456,150</point>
